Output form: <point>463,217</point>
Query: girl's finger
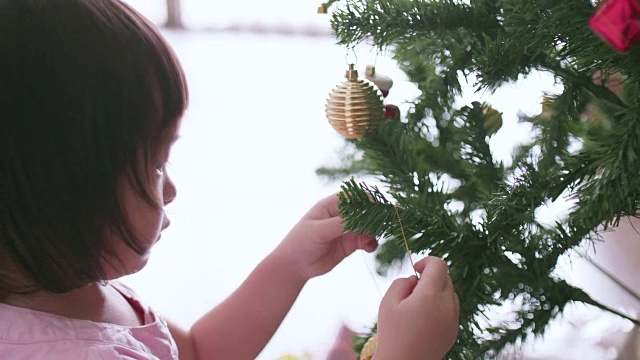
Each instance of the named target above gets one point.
<point>325,208</point>
<point>434,272</point>
<point>367,243</point>
<point>331,227</point>
<point>351,242</point>
<point>419,266</point>
<point>399,290</point>
<point>456,303</point>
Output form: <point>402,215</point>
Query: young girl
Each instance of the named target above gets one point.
<point>91,99</point>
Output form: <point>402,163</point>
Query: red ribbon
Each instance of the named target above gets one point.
<point>618,23</point>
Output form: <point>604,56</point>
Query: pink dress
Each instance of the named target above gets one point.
<point>28,334</point>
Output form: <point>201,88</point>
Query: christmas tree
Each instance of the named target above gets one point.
<point>436,164</point>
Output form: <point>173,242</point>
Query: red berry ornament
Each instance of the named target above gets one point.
<point>618,23</point>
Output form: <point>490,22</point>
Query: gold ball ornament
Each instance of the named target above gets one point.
<point>355,106</point>
<point>369,348</point>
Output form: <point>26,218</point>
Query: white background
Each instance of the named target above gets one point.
<point>251,140</point>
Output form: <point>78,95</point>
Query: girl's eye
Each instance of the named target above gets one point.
<point>161,169</point>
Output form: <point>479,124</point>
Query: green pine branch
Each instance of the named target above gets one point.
<point>481,275</point>
<point>389,21</point>
<point>437,167</point>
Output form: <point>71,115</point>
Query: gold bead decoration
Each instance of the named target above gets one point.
<point>355,106</point>
<point>369,348</point>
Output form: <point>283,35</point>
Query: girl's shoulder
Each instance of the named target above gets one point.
<point>31,334</point>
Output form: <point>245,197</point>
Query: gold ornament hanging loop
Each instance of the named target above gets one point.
<point>351,57</point>
<point>370,346</point>
<point>406,243</point>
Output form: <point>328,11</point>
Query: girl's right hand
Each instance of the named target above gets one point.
<point>418,319</point>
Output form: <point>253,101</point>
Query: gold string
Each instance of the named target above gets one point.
<point>406,243</point>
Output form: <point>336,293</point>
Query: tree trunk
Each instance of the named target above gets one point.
<point>174,14</point>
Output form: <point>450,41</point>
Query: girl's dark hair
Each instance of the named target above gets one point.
<point>87,89</point>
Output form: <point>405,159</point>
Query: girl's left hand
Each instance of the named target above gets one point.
<point>318,242</point>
